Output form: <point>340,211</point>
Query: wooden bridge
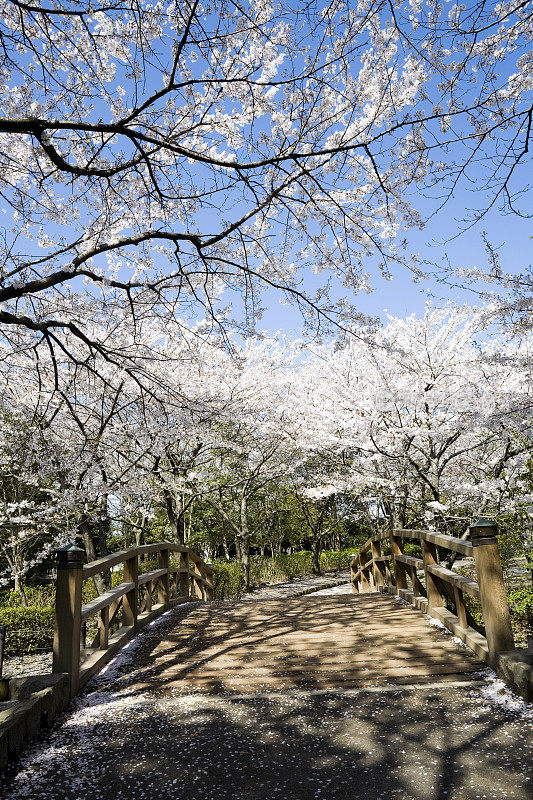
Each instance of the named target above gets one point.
<point>330,697</point>
<point>350,641</point>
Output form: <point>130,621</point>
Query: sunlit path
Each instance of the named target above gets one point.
<point>302,698</point>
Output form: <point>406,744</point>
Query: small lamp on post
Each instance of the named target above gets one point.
<point>484,532</point>
<point>70,557</point>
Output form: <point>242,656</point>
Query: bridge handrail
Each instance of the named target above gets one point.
<point>174,583</point>
<point>442,596</point>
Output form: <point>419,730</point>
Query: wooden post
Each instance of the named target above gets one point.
<point>68,614</point>
<point>353,570</point>
<point>379,577</point>
<point>489,571</point>
<point>184,576</point>
<point>429,555</point>
<point>399,568</point>
<point>163,587</point>
<point>129,602</point>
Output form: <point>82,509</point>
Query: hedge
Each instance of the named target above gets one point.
<point>27,629</point>
<point>521,607</point>
<point>229,582</point>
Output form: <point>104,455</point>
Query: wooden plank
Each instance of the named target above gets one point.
<point>411,560</point>
<point>440,539</point>
<point>105,599</point>
<point>460,581</point>
<point>105,563</point>
<point>150,576</point>
<point>193,672</point>
<point>312,642</point>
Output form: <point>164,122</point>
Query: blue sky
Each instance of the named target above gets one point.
<point>510,234</point>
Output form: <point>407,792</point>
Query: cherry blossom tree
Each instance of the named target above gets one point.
<point>153,156</point>
<point>425,411</point>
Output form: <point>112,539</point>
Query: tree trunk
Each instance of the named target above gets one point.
<point>171,516</point>
<point>19,588</point>
<point>90,551</point>
<point>104,526</point>
<point>225,547</point>
<point>315,555</point>
<point>139,537</point>
<point>181,528</point>
<point>245,561</point>
<point>245,541</point>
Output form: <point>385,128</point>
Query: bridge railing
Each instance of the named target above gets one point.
<point>136,601</point>
<point>440,592</point>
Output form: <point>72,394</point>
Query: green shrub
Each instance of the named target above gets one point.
<point>228,580</point>
<point>27,629</point>
<point>411,549</point>
<point>335,559</point>
<point>521,608</point>
<point>281,568</point>
<point>38,596</point>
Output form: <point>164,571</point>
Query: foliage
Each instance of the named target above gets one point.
<point>38,596</point>
<point>28,629</point>
<point>521,608</point>
<point>229,582</point>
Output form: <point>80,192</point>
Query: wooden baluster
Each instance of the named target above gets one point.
<point>460,607</point>
<point>163,592</point>
<point>197,583</point>
<point>353,570</point>
<point>149,589</point>
<point>174,583</point>
<point>67,632</point>
<point>377,566</point>
<point>400,573</point>
<point>491,587</point>
<point>129,602</point>
<point>365,582</point>
<point>418,589</point>
<point>104,628</point>
<point>429,555</point>
<point>184,575</point>
<point>388,575</point>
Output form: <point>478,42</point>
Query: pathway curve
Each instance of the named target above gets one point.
<point>298,587</point>
<point>287,699</point>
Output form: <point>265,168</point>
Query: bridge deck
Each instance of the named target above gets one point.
<point>307,643</point>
